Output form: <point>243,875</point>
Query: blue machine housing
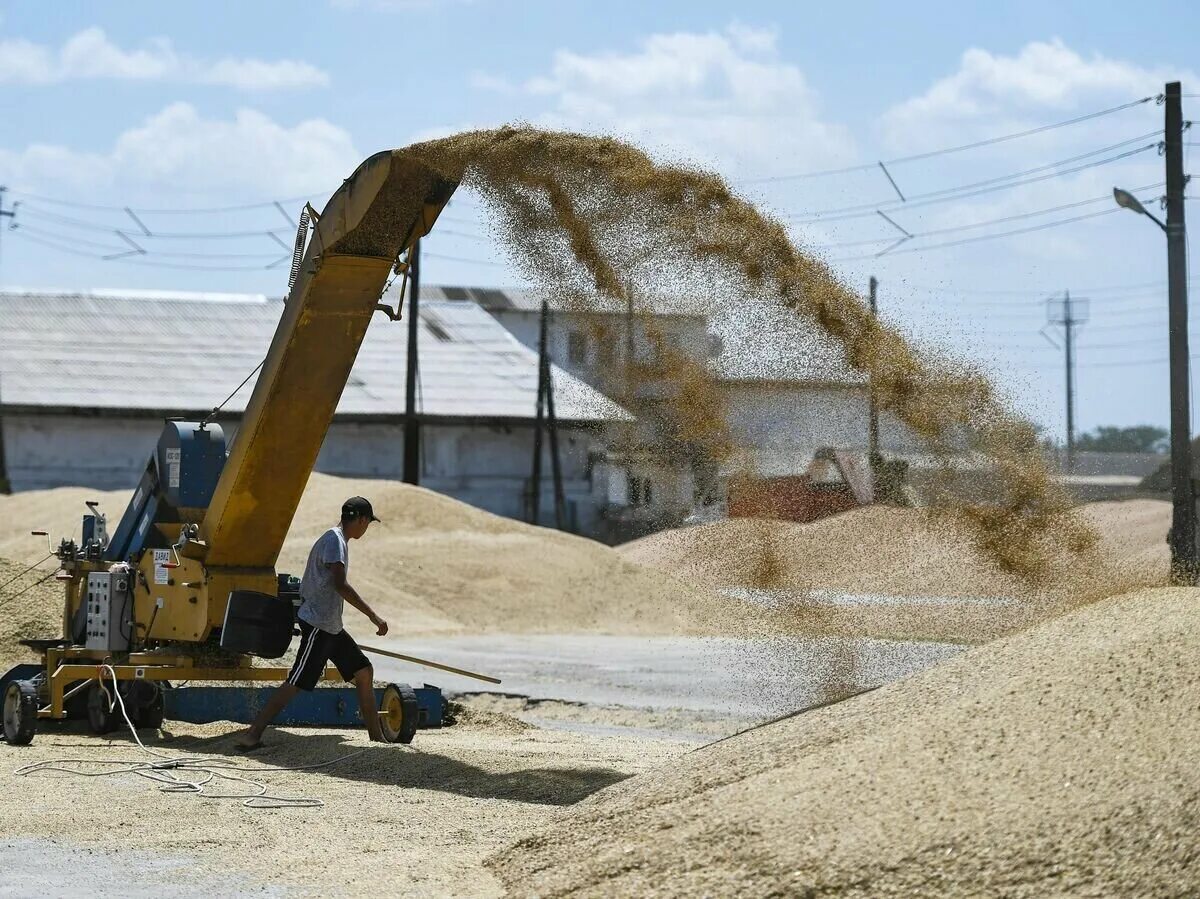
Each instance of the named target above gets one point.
<point>190,459</point>
<point>183,472</point>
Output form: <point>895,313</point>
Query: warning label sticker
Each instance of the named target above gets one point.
<point>161,558</point>
<point>173,467</point>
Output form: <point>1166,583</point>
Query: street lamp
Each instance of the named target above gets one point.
<point>1182,537</point>
<point>1126,200</point>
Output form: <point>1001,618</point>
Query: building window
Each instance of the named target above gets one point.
<point>577,347</point>
<point>641,491</point>
<point>606,347</point>
<point>436,330</point>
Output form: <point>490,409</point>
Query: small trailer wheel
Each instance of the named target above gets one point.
<point>102,718</point>
<point>398,713</point>
<point>148,704</point>
<point>20,712</point>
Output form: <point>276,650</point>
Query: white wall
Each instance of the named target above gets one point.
<point>691,333</point>
<point>487,466</point>
<point>785,424</point>
<point>61,450</point>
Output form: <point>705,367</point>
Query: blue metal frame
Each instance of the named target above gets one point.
<point>322,707</point>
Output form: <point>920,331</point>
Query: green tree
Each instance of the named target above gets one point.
<point>1138,439</point>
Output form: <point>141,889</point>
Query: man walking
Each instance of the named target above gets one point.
<point>324,589</point>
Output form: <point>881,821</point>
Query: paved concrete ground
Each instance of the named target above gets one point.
<point>46,867</point>
<point>746,680</point>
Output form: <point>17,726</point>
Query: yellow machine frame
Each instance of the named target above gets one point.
<point>369,224</point>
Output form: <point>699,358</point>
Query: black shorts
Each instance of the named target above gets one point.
<point>318,647</point>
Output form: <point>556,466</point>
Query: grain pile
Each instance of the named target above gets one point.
<point>597,220</point>
<point>436,564</point>
<point>27,609</point>
<point>1057,762</point>
<point>900,552</point>
<point>898,574</point>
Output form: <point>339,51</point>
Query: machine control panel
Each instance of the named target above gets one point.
<point>109,601</point>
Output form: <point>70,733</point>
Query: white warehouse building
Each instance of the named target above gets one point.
<point>86,380</point>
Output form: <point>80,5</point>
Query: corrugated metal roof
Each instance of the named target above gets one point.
<point>524,299</point>
<point>762,342</point>
<point>114,350</point>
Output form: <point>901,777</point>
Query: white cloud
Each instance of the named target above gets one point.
<point>718,97</point>
<point>90,55</point>
<point>180,151</point>
<point>992,93</point>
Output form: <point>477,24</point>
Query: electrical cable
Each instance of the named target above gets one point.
<point>1050,166</point>
<point>213,414</point>
<point>211,768</point>
<point>201,210</point>
<point>13,596</point>
<point>148,263</point>
<point>17,577</point>
<point>982,237</point>
<point>962,192</point>
<point>945,150</point>
<point>465,259</point>
<point>54,235</point>
<point>106,228</point>
<point>1106,198</point>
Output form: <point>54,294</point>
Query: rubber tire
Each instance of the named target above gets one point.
<point>20,712</point>
<point>148,704</point>
<point>101,719</point>
<point>406,697</point>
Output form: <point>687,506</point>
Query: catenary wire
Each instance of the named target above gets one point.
<point>945,196</point>
<point>1106,198</point>
<point>929,154</point>
<point>999,179</point>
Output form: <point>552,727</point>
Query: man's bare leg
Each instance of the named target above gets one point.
<point>281,697</point>
<point>364,680</point>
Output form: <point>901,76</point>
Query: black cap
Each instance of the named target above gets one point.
<point>357,507</point>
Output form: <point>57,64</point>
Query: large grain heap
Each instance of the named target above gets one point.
<point>597,220</point>
<point>434,565</point>
<point>901,553</point>
<point>1057,762</point>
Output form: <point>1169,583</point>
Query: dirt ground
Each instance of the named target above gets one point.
<point>405,821</point>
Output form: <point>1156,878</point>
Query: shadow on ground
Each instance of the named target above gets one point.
<point>388,765</point>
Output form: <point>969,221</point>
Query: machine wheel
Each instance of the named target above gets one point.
<point>20,712</point>
<point>148,704</point>
<point>101,718</point>
<point>398,713</point>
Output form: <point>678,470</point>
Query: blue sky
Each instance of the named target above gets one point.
<point>184,105</point>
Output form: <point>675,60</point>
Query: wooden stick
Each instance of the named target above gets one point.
<point>429,664</point>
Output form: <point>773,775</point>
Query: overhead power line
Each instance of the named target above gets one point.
<point>101,227</point>
<point>1106,198</point>
<point>962,192</point>
<point>196,210</point>
<point>79,241</point>
<point>143,261</point>
<point>983,237</point>
<point>899,160</point>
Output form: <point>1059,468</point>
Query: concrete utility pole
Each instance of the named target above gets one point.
<point>5,486</point>
<point>412,427</point>
<point>1184,566</point>
<point>546,417</point>
<point>1070,313</point>
<point>1069,353</point>
<point>873,457</point>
